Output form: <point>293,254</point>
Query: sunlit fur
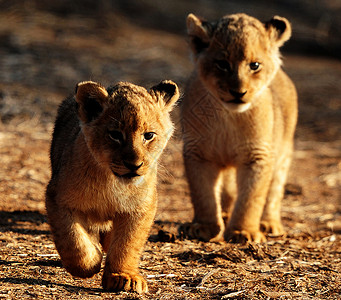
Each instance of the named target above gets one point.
<point>239,115</point>
<point>97,199</point>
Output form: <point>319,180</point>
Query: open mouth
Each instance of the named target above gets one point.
<point>127,175</point>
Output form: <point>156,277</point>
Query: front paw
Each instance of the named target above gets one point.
<point>116,282</point>
<point>273,227</point>
<point>244,236</point>
<point>209,232</point>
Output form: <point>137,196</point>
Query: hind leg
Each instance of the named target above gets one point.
<point>77,246</point>
<point>271,219</point>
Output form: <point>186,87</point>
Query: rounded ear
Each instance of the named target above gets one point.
<point>199,32</point>
<point>91,97</point>
<point>166,93</point>
<point>279,30</point>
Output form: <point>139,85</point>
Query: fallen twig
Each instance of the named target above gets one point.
<point>233,294</point>
<point>204,279</point>
<point>160,275</point>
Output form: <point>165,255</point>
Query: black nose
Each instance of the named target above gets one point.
<point>237,95</point>
<point>132,167</point>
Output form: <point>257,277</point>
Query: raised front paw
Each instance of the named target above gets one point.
<point>273,227</point>
<point>116,282</point>
<point>207,232</point>
<point>244,236</point>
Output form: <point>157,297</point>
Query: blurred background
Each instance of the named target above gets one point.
<point>54,44</point>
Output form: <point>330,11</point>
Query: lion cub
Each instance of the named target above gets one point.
<point>239,116</point>
<point>102,194</point>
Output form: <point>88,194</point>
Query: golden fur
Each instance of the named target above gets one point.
<point>102,193</point>
<point>239,116</point>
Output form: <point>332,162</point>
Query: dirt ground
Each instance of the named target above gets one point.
<point>45,49</point>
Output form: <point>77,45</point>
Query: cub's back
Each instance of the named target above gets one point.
<point>284,105</point>
<point>65,131</point>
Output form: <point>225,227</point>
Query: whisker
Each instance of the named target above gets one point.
<point>163,172</point>
<point>118,121</point>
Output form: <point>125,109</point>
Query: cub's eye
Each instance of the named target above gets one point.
<point>149,136</point>
<point>223,65</point>
<point>116,135</point>
<point>254,66</point>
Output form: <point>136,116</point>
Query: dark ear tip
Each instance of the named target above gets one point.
<point>278,22</point>
<point>168,86</point>
<point>166,92</point>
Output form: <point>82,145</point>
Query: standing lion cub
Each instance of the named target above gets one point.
<point>239,116</point>
<point>102,194</point>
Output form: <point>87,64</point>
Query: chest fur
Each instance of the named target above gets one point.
<point>94,192</point>
<point>225,137</point>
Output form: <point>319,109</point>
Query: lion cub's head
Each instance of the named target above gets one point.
<point>125,126</point>
<point>237,56</point>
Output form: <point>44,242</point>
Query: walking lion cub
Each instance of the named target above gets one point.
<point>102,194</point>
<point>239,117</point>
